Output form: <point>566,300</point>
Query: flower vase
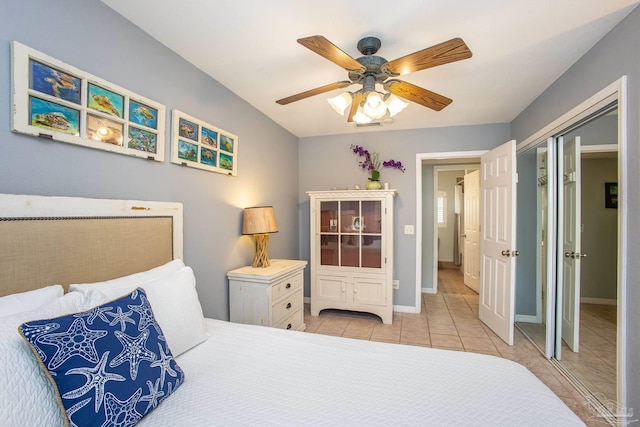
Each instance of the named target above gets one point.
<point>374,182</point>
<point>374,185</point>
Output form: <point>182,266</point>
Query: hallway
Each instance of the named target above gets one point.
<point>449,320</point>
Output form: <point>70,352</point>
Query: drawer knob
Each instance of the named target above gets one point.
<point>288,305</point>
<point>288,285</point>
<point>289,326</point>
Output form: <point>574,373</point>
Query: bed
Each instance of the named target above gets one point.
<point>222,373</point>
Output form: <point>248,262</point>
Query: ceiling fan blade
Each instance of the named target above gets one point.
<point>443,53</point>
<point>312,92</point>
<point>358,97</point>
<point>333,53</point>
<point>417,94</point>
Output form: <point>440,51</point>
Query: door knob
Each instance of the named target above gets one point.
<point>569,255</point>
<point>506,253</point>
<point>464,236</point>
<point>515,253</point>
<point>578,255</point>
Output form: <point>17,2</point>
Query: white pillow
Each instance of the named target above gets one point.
<point>27,398</point>
<point>28,301</point>
<point>132,280</point>
<point>175,305</point>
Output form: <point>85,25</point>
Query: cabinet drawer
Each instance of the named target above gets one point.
<point>285,306</point>
<point>293,322</point>
<point>286,286</point>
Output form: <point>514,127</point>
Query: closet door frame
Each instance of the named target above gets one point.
<point>616,92</point>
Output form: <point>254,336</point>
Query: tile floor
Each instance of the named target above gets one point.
<point>595,363</point>
<point>449,320</point>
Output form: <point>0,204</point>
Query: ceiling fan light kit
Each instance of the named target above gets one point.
<point>374,107</point>
<point>380,107</point>
<point>341,102</point>
<point>369,106</point>
<point>394,104</point>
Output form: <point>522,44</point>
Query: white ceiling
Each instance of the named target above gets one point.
<point>519,48</point>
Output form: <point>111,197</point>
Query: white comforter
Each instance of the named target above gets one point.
<point>260,376</point>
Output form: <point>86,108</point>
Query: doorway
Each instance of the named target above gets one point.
<point>426,226</point>
<point>456,216</point>
<point>497,246</point>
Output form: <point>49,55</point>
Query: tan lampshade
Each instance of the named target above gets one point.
<point>259,220</point>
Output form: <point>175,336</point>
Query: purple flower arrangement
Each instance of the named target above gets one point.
<point>372,162</point>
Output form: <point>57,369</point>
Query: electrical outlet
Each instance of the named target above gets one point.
<point>408,229</point>
<point>396,284</point>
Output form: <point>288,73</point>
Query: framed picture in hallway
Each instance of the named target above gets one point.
<point>611,195</point>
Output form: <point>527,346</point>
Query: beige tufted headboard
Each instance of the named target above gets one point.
<point>61,240</point>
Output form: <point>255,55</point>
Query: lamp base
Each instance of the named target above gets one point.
<point>261,259</point>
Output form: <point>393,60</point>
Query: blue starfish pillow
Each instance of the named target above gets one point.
<point>110,365</point>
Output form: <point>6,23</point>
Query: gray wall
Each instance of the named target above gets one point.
<point>601,131</point>
<point>327,162</point>
<point>89,35</point>
<point>598,272</point>
<point>613,56</point>
<point>526,241</point>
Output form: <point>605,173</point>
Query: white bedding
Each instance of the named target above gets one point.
<point>251,375</point>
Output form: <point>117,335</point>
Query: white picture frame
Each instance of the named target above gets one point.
<point>357,223</point>
<point>59,102</point>
<point>198,144</point>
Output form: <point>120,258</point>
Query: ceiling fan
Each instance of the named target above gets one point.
<point>369,70</point>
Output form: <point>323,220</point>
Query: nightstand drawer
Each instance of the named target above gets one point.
<point>287,305</point>
<point>286,286</point>
<point>294,322</point>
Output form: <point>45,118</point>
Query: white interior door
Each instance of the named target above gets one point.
<point>570,224</point>
<point>471,235</point>
<point>497,242</point>
<point>547,242</point>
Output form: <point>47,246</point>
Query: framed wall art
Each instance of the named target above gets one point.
<point>57,101</point>
<point>198,144</point>
<point>611,195</point>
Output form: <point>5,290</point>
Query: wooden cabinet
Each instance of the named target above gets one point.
<point>352,251</point>
<point>271,296</point>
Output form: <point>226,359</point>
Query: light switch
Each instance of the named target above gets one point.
<point>408,229</point>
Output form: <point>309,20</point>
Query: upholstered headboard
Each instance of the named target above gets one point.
<point>61,240</point>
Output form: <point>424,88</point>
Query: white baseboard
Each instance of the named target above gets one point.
<point>526,318</point>
<point>406,309</point>
<point>428,291</point>
<point>600,301</point>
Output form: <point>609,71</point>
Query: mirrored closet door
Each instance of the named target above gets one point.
<point>567,216</point>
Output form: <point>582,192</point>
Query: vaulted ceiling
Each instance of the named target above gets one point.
<point>519,48</point>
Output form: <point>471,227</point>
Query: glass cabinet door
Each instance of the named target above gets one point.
<point>329,233</point>
<point>351,233</point>
<point>372,234</point>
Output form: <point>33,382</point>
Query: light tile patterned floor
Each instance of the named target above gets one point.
<point>595,363</point>
<point>449,320</point>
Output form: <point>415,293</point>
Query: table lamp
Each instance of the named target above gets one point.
<point>260,221</point>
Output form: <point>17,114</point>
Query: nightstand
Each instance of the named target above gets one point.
<point>271,296</point>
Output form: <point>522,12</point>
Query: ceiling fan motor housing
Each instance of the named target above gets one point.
<point>369,45</point>
<point>374,71</point>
